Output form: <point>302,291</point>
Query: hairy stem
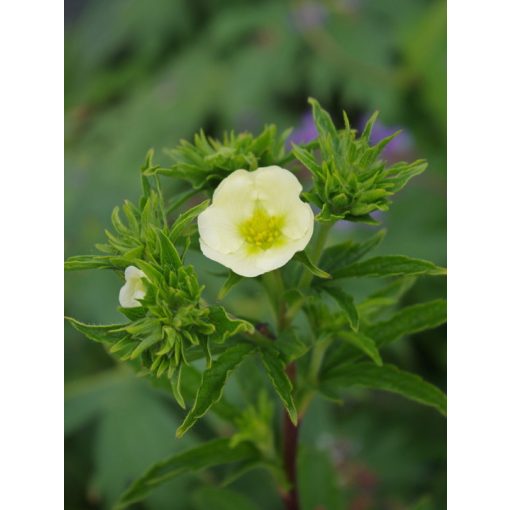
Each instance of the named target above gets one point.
<point>290,450</point>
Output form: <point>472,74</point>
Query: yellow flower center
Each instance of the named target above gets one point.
<point>261,231</point>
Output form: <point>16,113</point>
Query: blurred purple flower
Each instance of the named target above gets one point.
<point>308,15</point>
<point>401,147</point>
<point>304,133</point>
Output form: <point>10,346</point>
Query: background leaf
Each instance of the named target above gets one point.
<point>387,378</point>
<point>212,453</point>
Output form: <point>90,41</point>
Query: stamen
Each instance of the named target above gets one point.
<point>261,231</point>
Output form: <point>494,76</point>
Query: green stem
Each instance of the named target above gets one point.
<point>275,288</point>
<point>290,434</point>
<point>318,352</point>
<point>320,347</point>
<point>316,252</point>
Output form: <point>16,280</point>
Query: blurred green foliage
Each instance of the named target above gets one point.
<point>147,74</point>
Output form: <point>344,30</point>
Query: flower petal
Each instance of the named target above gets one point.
<point>218,228</point>
<point>276,257</point>
<point>236,194</point>
<point>241,262</point>
<point>133,272</point>
<point>298,221</point>
<point>277,189</point>
<point>272,191</point>
<point>133,289</point>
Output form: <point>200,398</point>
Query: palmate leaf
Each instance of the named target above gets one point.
<point>390,265</point>
<point>213,382</point>
<point>213,453</point>
<point>387,378</point>
<point>275,369</point>
<point>408,320</point>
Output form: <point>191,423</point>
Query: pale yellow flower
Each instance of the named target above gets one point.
<point>133,289</point>
<point>256,222</point>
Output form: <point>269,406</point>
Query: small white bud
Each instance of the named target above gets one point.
<point>133,289</point>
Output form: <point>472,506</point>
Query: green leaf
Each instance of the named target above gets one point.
<point>80,262</point>
<point>367,130</point>
<point>131,434</point>
<point>306,158</point>
<point>213,382</point>
<point>105,334</point>
<point>152,272</point>
<point>275,369</point>
<point>133,314</point>
<point>150,340</point>
<point>291,347</point>
<point>378,302</point>
<point>340,255</point>
<point>226,325</point>
<point>363,343</point>
<point>179,199</point>
<point>396,289</point>
<point>175,383</point>
<point>213,453</point>
<point>84,399</point>
<point>411,319</point>
<point>390,265</point>
<point>185,219</point>
<point>322,119</point>
<point>346,303</point>
<point>318,480</point>
<point>302,256</point>
<point>387,378</point>
<point>168,252</point>
<point>232,279</point>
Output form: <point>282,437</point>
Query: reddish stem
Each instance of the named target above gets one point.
<point>290,449</point>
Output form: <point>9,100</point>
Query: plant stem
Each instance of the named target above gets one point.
<point>290,449</point>
<point>315,253</point>
<point>290,431</point>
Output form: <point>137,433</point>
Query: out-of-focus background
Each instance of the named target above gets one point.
<point>142,74</point>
